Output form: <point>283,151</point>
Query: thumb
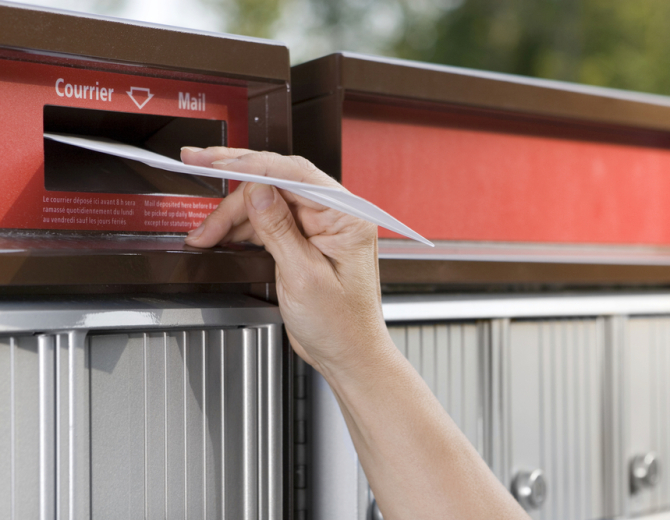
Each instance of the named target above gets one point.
<point>274,224</point>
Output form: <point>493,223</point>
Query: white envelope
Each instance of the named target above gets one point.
<point>340,200</point>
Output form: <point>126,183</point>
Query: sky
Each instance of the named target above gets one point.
<point>179,13</point>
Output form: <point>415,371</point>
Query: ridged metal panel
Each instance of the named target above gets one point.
<point>450,358</point>
<point>647,401</point>
<point>177,424</point>
<point>551,398</point>
<point>21,431</point>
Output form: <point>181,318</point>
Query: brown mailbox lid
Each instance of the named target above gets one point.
<point>320,88</point>
<point>350,74</point>
<point>121,41</point>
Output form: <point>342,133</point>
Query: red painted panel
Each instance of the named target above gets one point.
<point>25,203</point>
<point>464,182</point>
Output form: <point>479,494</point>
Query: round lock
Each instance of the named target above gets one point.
<point>645,471</point>
<point>530,489</point>
<point>375,513</point>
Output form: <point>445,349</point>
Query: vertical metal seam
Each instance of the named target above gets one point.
<point>45,413</point>
<point>185,340</point>
<point>146,426</point>
<point>223,423</point>
<point>436,349</point>
<point>553,410</point>
<point>576,350</point>
<point>464,376</point>
<point>72,423</point>
<point>565,341</point>
<point>505,384</point>
<point>654,403</point>
<point>261,421</point>
<point>12,426</point>
<point>165,421</point>
<point>665,435</point>
<point>449,399</point>
<point>586,359</point>
<point>57,422</point>
<point>543,411</point>
<point>203,338</point>
<point>622,361</point>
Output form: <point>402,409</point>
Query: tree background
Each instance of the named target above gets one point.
<point>614,43</point>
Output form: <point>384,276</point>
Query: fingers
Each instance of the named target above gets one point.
<point>258,163</point>
<point>275,226</point>
<point>206,156</point>
<point>229,214</point>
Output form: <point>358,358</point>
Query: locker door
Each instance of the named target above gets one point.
<point>450,358</point>
<point>552,372</point>
<point>186,424</point>
<point>647,395</point>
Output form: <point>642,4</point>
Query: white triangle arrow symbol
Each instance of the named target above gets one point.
<point>143,91</point>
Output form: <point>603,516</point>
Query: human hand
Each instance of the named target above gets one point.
<point>326,261</point>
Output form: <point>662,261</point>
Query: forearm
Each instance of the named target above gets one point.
<point>417,461</point>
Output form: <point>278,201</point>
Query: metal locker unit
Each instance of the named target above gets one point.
<point>451,358</point>
<point>549,434</point>
<point>645,425</point>
<point>143,410</point>
<point>574,386</point>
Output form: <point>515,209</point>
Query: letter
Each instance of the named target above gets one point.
<point>194,104</point>
<point>85,87</point>
<point>59,80</point>
<point>184,100</point>
<point>78,95</point>
<point>203,101</point>
<point>110,93</point>
<point>103,94</point>
<point>97,92</point>
<point>68,90</point>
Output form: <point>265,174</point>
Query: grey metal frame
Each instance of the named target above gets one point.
<point>66,421</point>
<point>587,337</point>
<point>610,316</point>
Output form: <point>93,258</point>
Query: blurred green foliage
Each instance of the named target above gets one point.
<point>616,43</point>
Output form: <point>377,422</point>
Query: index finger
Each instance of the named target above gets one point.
<point>206,156</point>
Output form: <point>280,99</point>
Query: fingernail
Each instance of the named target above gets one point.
<point>195,233</point>
<point>192,148</point>
<point>222,162</point>
<point>262,196</point>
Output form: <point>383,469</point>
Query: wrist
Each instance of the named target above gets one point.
<point>362,361</point>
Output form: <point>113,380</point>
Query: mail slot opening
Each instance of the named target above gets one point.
<point>70,168</point>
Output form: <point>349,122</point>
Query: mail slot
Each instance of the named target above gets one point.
<point>157,89</point>
<point>72,169</point>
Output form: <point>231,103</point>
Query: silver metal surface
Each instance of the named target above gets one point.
<point>530,489</point>
<point>449,359</point>
<point>646,397</point>
<point>335,478</point>
<point>20,428</point>
<point>375,513</point>
<point>552,401</point>
<point>470,307</point>
<point>400,249</point>
<point>171,423</point>
<point>136,314</point>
